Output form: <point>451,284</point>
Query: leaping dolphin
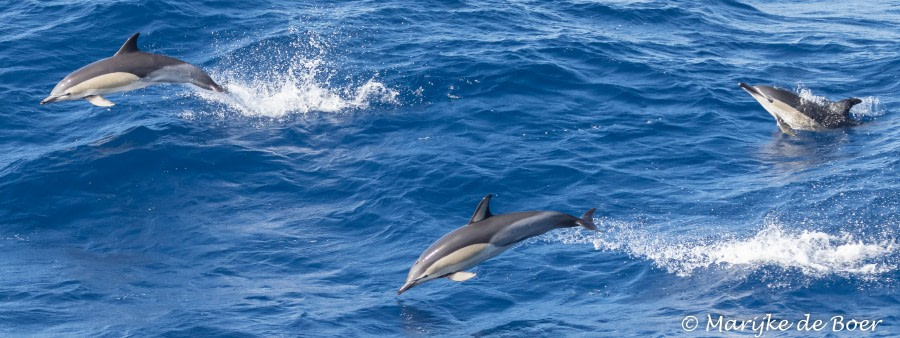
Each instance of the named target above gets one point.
<point>794,112</point>
<point>485,236</point>
<point>128,69</point>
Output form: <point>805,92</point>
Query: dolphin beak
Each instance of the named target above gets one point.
<point>749,88</point>
<point>406,286</point>
<point>50,99</point>
<point>753,91</point>
<point>409,284</point>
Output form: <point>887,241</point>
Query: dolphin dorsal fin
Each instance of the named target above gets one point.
<point>483,210</point>
<point>130,45</point>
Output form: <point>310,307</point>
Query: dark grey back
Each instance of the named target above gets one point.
<point>137,63</point>
<point>829,114</point>
<point>495,230</point>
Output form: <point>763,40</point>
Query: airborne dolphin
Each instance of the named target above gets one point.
<point>128,69</point>
<point>794,112</point>
<point>485,236</point>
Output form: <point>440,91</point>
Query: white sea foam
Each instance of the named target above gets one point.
<point>293,81</point>
<point>813,253</point>
<point>870,105</point>
<point>807,94</point>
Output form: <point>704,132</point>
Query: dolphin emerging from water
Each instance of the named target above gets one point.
<point>128,69</point>
<point>485,236</point>
<point>794,112</point>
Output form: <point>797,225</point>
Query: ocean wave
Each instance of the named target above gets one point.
<point>813,253</point>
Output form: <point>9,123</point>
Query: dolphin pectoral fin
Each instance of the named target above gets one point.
<point>99,101</point>
<point>460,276</point>
<point>784,127</point>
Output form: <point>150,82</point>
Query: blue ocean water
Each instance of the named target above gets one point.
<point>358,133</point>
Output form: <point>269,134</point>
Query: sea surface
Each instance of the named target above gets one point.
<point>355,134</point>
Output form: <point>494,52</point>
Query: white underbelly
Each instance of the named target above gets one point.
<point>112,90</point>
<point>792,117</point>
<point>465,258</point>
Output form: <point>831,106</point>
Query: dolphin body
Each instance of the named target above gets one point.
<point>485,236</point>
<point>128,69</point>
<point>792,112</point>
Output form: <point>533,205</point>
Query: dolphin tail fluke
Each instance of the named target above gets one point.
<point>218,88</point>
<point>587,220</point>
<point>199,78</point>
<point>207,83</point>
<point>844,105</point>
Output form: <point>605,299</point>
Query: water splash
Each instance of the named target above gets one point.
<point>813,253</point>
<point>806,94</point>
<point>276,80</point>
<point>870,105</point>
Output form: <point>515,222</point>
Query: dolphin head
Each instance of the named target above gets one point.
<point>767,96</point>
<point>62,91</point>
<point>78,84</point>
<point>418,274</point>
<point>440,259</point>
<point>763,93</point>
<point>757,92</point>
